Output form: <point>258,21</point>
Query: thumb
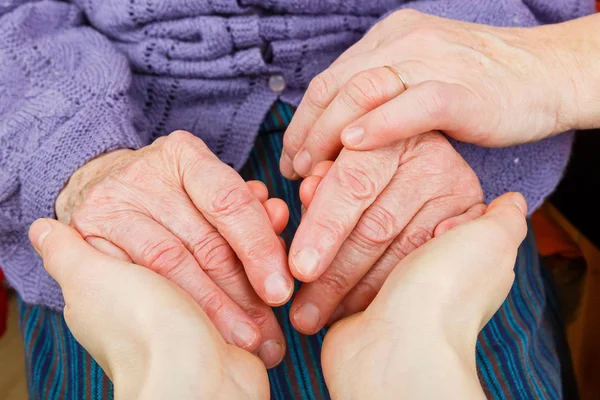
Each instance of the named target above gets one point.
<point>66,254</point>
<point>424,107</point>
<point>468,269</point>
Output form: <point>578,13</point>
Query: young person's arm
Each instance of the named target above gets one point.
<point>578,44</point>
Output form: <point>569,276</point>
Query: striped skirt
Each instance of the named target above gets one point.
<point>521,353</point>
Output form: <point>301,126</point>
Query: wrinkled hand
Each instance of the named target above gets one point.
<point>150,337</point>
<point>369,211</point>
<point>417,339</point>
<point>481,84</point>
<point>175,208</point>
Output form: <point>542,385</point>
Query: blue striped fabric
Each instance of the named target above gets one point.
<point>518,353</point>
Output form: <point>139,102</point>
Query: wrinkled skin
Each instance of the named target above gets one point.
<point>149,336</point>
<point>417,339</point>
<point>369,210</point>
<point>175,208</point>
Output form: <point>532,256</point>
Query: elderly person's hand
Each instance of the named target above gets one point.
<point>175,208</point>
<point>370,210</point>
<point>481,84</point>
<point>417,339</point>
<point>150,337</point>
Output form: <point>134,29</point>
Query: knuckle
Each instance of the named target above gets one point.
<point>212,252</point>
<point>377,226</point>
<point>357,183</point>
<point>179,136</point>
<point>230,200</point>
<point>164,256</point>
<point>322,142</point>
<point>364,92</point>
<point>409,241</point>
<point>261,247</point>
<point>183,144</point>
<point>434,100</point>
<point>366,290</point>
<point>384,118</point>
<point>211,303</point>
<point>330,229</point>
<point>292,140</point>
<point>336,284</point>
<point>321,90</point>
<point>406,13</point>
<point>260,314</point>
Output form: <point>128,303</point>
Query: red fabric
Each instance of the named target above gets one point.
<point>551,238</point>
<point>3,305</point>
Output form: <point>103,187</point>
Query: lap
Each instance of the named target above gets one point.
<point>518,354</point>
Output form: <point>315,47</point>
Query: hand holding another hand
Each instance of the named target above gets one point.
<point>481,84</point>
<point>151,338</point>
<point>418,336</point>
<point>175,208</point>
<point>369,210</point>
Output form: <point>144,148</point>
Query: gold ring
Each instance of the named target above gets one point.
<point>398,75</point>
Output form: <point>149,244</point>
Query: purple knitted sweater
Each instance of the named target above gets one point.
<point>79,79</point>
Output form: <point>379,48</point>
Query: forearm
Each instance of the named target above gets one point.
<point>578,51</point>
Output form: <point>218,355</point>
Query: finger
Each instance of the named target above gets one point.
<point>471,214</point>
<point>501,210</point>
<point>417,232</point>
<point>424,107</point>
<point>278,213</point>
<point>223,198</point>
<point>473,261</point>
<point>320,92</point>
<point>322,168</point>
<point>309,185</point>
<point>108,301</point>
<point>150,244</point>
<point>389,217</point>
<point>108,248</point>
<point>308,188</point>
<point>316,301</point>
<point>220,263</point>
<point>350,186</point>
<point>259,190</point>
<point>282,241</point>
<point>62,250</point>
<point>362,93</point>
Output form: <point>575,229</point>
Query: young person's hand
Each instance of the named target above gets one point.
<point>417,339</point>
<point>175,208</point>
<point>413,73</point>
<point>151,338</point>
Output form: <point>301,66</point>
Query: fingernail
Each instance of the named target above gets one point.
<point>337,314</point>
<point>303,163</point>
<point>306,261</point>
<point>243,335</point>
<point>354,135</point>
<point>308,317</point>
<point>519,204</point>
<point>278,289</point>
<point>38,232</point>
<point>271,353</point>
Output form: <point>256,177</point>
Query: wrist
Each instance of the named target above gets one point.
<point>576,53</point>
<point>71,195</point>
